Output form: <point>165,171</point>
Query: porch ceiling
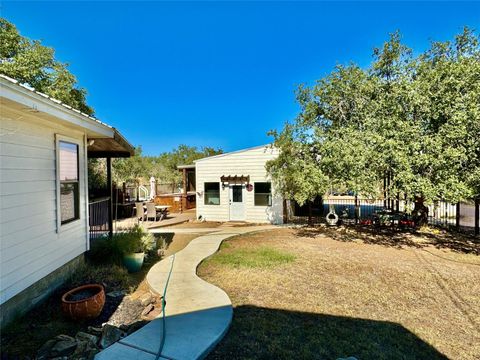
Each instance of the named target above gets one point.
<point>114,147</point>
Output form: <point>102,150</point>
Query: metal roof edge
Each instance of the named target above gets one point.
<point>53,101</point>
<point>233,152</point>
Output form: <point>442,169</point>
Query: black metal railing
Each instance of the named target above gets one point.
<point>98,210</point>
<point>462,216</point>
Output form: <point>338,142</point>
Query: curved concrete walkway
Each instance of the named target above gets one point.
<point>198,314</point>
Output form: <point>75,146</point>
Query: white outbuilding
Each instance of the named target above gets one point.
<point>235,186</point>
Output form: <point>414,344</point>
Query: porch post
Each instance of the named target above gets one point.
<point>183,197</point>
<point>109,191</point>
<point>184,178</point>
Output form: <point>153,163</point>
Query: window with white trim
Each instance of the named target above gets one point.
<point>212,193</point>
<point>68,171</point>
<point>263,193</point>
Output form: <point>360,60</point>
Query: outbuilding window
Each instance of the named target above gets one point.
<point>212,193</point>
<point>69,193</point>
<point>263,193</point>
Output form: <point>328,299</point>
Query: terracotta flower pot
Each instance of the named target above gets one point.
<point>84,302</point>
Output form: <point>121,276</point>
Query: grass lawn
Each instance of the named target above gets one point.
<point>325,294</point>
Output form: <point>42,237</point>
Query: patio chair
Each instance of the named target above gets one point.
<point>140,212</point>
<point>151,211</point>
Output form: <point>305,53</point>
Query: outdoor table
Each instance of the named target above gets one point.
<point>162,209</point>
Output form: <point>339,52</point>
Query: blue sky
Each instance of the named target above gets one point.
<point>218,74</point>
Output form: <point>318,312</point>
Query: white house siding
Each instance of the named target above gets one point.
<point>30,246</point>
<point>249,162</point>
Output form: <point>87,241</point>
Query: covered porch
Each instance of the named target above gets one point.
<point>100,208</point>
<point>186,198</point>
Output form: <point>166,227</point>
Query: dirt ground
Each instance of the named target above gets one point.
<point>353,293</point>
<point>195,224</point>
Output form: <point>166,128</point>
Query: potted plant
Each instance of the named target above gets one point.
<point>133,244</point>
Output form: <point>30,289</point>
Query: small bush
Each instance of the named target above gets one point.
<point>105,251</point>
<point>134,240</point>
<point>113,276</point>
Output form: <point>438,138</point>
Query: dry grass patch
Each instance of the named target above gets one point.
<point>348,298</point>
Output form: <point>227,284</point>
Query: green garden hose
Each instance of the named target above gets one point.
<point>164,303</point>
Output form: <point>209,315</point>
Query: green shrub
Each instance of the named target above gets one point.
<point>108,250</point>
<point>104,251</point>
<point>113,276</point>
<point>134,240</point>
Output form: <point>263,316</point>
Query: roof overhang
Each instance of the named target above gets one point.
<point>117,146</point>
<point>27,102</point>
<point>181,167</point>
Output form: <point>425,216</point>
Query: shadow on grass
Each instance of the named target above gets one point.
<point>261,333</point>
<point>395,237</point>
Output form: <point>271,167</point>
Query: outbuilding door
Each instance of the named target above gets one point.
<point>237,203</point>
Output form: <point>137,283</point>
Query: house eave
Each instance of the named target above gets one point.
<point>109,141</point>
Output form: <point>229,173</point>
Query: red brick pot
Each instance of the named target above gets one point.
<point>85,308</point>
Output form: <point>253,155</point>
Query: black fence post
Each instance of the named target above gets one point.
<point>457,215</point>
<point>357,209</point>
<point>385,190</point>
<point>477,216</point>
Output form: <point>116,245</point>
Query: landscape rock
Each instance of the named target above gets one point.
<point>63,337</point>
<point>63,347</point>
<point>97,331</point>
<point>89,338</point>
<point>147,309</point>
<point>84,351</point>
<point>110,335</point>
<point>45,350</point>
<point>146,299</point>
<point>117,293</point>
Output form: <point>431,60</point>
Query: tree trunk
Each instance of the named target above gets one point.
<point>310,218</point>
<point>420,212</point>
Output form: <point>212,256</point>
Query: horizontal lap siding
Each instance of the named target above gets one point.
<point>248,163</point>
<point>30,246</point>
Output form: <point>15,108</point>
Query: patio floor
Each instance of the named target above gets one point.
<point>172,219</point>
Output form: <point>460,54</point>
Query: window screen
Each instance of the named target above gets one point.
<point>69,183</point>
<point>263,194</point>
<point>212,193</point>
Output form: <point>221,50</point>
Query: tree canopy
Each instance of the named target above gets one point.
<point>414,118</point>
<point>138,169</point>
<point>31,63</point>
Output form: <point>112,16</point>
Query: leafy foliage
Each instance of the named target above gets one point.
<point>138,169</point>
<point>415,118</point>
<point>133,240</point>
<point>29,62</point>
